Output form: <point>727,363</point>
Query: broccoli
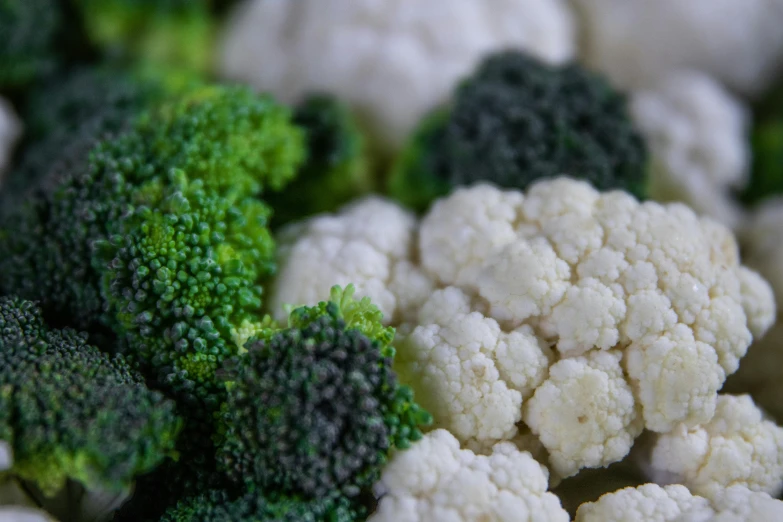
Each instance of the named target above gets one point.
<point>174,32</point>
<point>314,408</point>
<point>29,30</point>
<point>766,174</point>
<point>517,120</point>
<point>218,506</point>
<point>73,412</point>
<point>337,167</point>
<point>57,245</point>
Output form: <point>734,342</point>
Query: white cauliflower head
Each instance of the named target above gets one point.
<point>369,243</point>
<point>674,503</point>
<point>436,480</point>
<point>645,306</point>
<point>737,446</point>
<point>393,60</point>
<point>697,135</point>
<point>637,42</point>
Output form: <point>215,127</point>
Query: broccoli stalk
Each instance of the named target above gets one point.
<point>71,412</point>
<point>517,120</point>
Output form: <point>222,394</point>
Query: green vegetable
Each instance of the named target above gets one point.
<point>29,31</point>
<point>766,174</point>
<point>337,168</point>
<point>217,506</point>
<point>174,32</point>
<point>72,412</point>
<point>517,120</point>
<point>314,408</point>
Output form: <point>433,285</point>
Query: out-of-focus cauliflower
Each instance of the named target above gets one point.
<point>762,238</point>
<point>393,60</point>
<point>737,446</point>
<point>697,134</point>
<point>10,131</point>
<point>637,42</point>
<point>370,243</point>
<point>436,480</point>
<point>653,503</point>
<point>581,316</point>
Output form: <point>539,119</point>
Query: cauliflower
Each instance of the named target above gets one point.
<point>436,480</point>
<point>653,503</point>
<point>369,243</point>
<point>696,132</point>
<point>562,317</point>
<point>737,446</point>
<point>392,60</point>
<point>10,131</point>
<point>637,42</point>
<point>762,238</point>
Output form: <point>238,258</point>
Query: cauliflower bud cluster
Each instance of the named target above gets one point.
<point>561,319</point>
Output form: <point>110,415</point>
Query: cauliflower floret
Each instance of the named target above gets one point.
<point>737,446</point>
<point>646,305</point>
<point>470,374</point>
<point>637,42</point>
<point>436,480</point>
<point>646,503</point>
<point>10,131</point>
<point>653,503</point>
<point>697,134</point>
<point>584,413</point>
<point>369,243</point>
<point>392,60</point>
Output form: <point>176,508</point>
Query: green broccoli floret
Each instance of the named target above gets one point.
<point>29,31</point>
<point>73,412</point>
<point>517,120</point>
<point>218,506</point>
<point>174,32</point>
<point>314,409</point>
<point>338,164</point>
<point>766,174</point>
<point>56,245</point>
<point>70,113</point>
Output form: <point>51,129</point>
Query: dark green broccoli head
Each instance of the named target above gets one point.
<point>766,174</point>
<point>337,167</point>
<point>174,32</point>
<point>315,408</point>
<point>29,30</point>
<point>218,506</point>
<point>72,411</point>
<point>517,120</point>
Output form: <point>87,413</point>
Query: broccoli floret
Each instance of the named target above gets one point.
<point>175,32</point>
<point>517,120</point>
<point>766,174</point>
<point>73,412</point>
<point>217,506</point>
<point>314,409</point>
<point>69,114</point>
<point>337,168</point>
<point>29,30</point>
<point>55,246</point>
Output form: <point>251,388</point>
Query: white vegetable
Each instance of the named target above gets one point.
<point>643,303</point>
<point>435,480</point>
<point>737,446</point>
<point>580,316</point>
<point>637,42</point>
<point>653,503</point>
<point>10,131</point>
<point>368,243</point>
<point>697,135</point>
<point>393,60</point>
